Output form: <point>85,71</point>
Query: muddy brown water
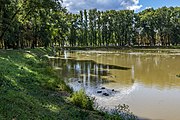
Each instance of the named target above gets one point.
<point>146,80</point>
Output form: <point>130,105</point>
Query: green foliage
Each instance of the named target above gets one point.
<point>178,75</point>
<point>46,23</point>
<point>120,112</point>
<point>124,112</point>
<point>80,99</point>
<point>150,27</point>
<point>30,23</point>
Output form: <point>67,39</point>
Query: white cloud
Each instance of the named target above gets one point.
<point>134,7</point>
<point>76,5</point>
<point>148,7</point>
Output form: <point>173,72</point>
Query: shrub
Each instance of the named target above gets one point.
<point>178,75</point>
<point>81,100</point>
<point>123,112</point>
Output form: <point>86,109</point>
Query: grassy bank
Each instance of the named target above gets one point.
<point>29,89</point>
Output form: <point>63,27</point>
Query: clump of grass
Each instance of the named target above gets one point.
<point>120,112</point>
<point>124,112</point>
<point>81,100</point>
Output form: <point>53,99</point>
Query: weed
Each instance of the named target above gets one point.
<point>178,75</point>
<point>81,100</point>
<point>123,111</point>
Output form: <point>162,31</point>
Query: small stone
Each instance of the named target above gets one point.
<point>103,88</point>
<point>99,91</point>
<point>112,89</point>
<point>105,94</point>
<point>79,81</point>
<point>113,76</point>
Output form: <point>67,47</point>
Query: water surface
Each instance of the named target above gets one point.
<point>146,80</point>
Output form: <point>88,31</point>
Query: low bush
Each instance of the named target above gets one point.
<point>123,112</point>
<point>81,100</point>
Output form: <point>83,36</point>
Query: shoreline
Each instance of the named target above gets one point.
<point>118,48</point>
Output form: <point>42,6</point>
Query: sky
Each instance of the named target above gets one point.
<point>75,6</point>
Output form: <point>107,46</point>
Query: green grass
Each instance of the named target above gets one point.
<point>29,89</point>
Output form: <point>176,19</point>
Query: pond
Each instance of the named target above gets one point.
<point>146,80</point>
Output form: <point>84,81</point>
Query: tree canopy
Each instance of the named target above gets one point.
<point>34,23</point>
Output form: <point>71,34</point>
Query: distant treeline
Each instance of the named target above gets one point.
<point>32,23</point>
<point>150,27</point>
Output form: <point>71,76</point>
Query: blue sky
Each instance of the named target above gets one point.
<point>158,3</point>
<point>137,5</point>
